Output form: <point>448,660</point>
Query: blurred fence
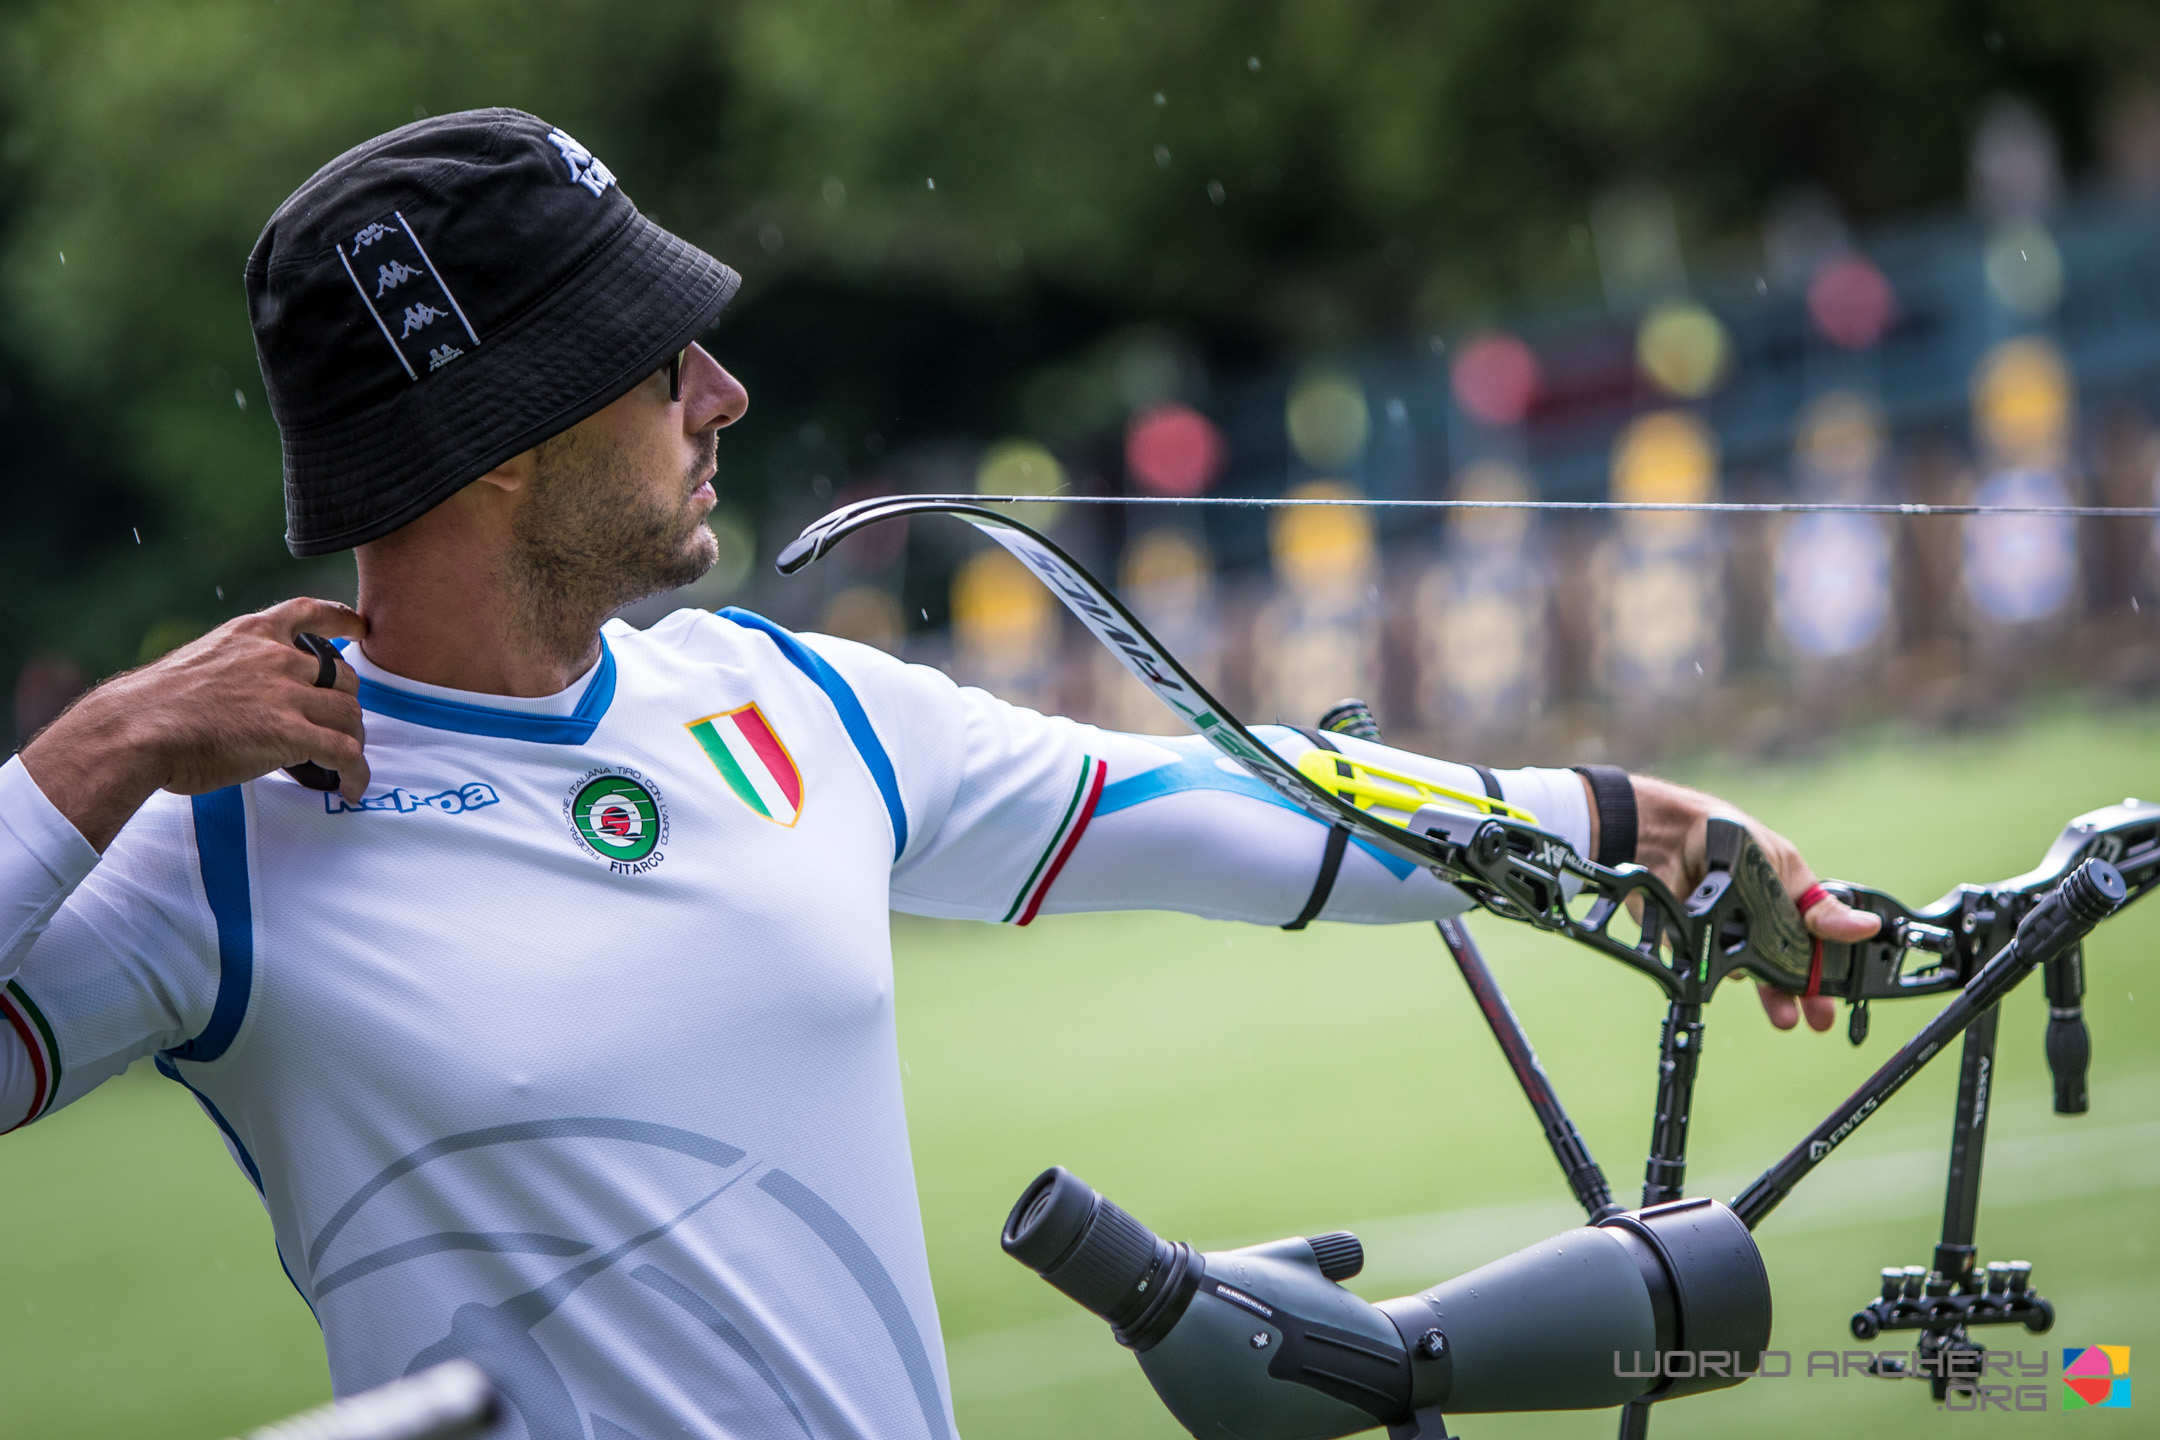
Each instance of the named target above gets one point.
<point>2012,358</point>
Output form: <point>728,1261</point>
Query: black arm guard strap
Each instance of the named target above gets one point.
<point>1615,796</point>
<point>1338,841</point>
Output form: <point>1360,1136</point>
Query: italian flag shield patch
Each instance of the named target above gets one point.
<point>756,766</point>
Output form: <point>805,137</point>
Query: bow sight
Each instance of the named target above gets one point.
<point>1975,943</point>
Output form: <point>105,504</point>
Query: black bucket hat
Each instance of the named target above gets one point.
<point>449,295</point>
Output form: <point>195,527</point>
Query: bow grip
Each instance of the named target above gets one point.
<point>1753,925</point>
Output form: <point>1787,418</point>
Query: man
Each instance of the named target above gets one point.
<point>560,1034</point>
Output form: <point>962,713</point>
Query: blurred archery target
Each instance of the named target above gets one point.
<point>1168,579</point>
<point>1324,554</point>
<point>1004,628</point>
<point>1684,348</point>
<point>1022,467</point>
<point>1850,301</point>
<point>1327,417</point>
<point>1174,450</point>
<point>1660,579</point>
<point>1495,378</point>
<point>1317,638</point>
<point>2022,404</point>
<point>1840,445</point>
<point>2020,568</point>
<point>1478,623</point>
<point>1833,584</point>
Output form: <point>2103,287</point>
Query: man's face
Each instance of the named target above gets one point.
<point>617,505</point>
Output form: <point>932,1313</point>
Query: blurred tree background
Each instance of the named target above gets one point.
<point>942,210</point>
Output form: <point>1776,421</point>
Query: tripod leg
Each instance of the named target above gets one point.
<point>1583,1175</point>
<point>1635,1420</point>
<point>1678,1052</point>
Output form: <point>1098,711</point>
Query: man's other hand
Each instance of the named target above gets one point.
<point>238,703</point>
<point>1673,824</point>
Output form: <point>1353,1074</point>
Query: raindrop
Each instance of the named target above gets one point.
<point>239,398</point>
<point>1161,99</point>
<point>1216,193</point>
<point>132,530</point>
<point>1162,156</point>
<point>1762,286</point>
<point>2133,605</point>
<point>821,487</point>
<point>1698,667</point>
<point>925,615</point>
<point>931,183</point>
<point>874,443</point>
<point>63,257</point>
<point>769,238</point>
<point>811,435</point>
<point>1252,63</point>
<point>1438,345</point>
<point>419,111</point>
<point>834,192</point>
<point>1397,412</point>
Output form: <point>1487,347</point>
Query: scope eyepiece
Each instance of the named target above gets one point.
<point>1116,1267</point>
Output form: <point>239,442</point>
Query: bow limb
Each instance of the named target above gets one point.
<point>1124,636</point>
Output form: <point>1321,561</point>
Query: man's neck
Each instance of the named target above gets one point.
<point>438,616</point>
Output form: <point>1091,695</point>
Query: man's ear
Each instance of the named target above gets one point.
<point>512,475</point>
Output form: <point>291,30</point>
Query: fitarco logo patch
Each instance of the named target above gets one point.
<point>619,816</point>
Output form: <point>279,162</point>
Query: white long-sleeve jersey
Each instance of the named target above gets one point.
<point>570,1048</point>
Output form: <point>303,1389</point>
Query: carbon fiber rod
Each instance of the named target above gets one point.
<point>1583,1175</point>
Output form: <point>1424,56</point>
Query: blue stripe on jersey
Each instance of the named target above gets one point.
<point>852,715</point>
<point>1204,774</point>
<point>221,851</point>
<point>439,714</point>
<point>171,1071</point>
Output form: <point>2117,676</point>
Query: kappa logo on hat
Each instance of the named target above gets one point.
<point>409,301</point>
<point>585,168</point>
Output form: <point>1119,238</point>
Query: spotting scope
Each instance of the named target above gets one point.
<point>1264,1343</point>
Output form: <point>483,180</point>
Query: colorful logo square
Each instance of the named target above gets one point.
<point>2096,1377</point>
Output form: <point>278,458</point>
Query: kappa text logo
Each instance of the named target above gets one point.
<point>585,169</point>
<point>619,816</point>
<point>470,796</point>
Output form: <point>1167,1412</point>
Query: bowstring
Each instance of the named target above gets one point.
<point>1709,507</point>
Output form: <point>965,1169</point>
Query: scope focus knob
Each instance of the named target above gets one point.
<point>1339,1253</point>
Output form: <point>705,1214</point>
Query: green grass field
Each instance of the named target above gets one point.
<point>1229,1084</point>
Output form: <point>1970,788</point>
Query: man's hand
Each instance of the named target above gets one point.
<point>1672,826</point>
<point>238,703</point>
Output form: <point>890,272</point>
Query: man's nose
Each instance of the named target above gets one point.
<point>712,398</point>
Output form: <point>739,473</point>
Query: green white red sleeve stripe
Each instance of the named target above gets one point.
<point>1078,811</point>
<point>22,1013</point>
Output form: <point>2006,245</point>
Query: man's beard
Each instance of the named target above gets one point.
<point>591,539</point>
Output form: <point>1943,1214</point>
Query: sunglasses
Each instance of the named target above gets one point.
<point>674,373</point>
